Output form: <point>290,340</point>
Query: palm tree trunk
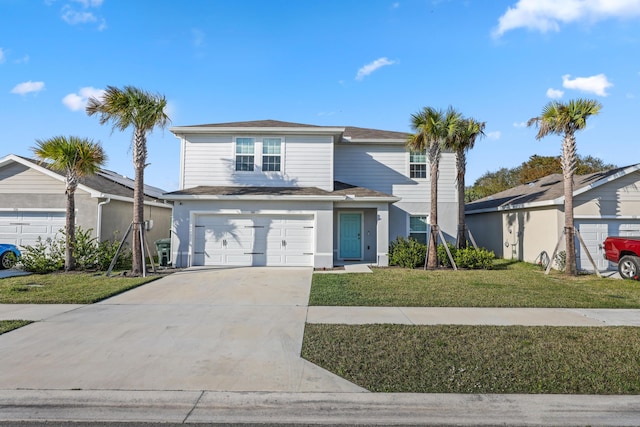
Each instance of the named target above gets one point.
<point>568,168</point>
<point>70,241</point>
<point>461,167</point>
<point>434,162</point>
<point>139,163</point>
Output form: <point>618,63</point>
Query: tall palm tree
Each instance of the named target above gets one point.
<point>433,129</point>
<point>566,119</point>
<point>464,140</point>
<point>126,107</point>
<point>75,157</point>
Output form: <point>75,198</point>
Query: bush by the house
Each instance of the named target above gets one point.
<point>47,256</point>
<point>470,257</point>
<point>407,253</point>
<point>44,256</point>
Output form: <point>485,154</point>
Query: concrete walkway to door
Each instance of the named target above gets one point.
<point>208,329</point>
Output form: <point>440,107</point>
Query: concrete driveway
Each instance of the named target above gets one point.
<point>211,329</point>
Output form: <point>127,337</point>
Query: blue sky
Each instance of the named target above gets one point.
<point>333,62</point>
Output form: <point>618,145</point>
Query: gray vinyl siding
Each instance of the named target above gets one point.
<point>305,162</point>
<point>386,168</point>
<point>616,198</point>
<point>19,179</point>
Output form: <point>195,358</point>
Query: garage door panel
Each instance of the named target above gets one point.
<point>594,232</point>
<point>24,228</point>
<point>255,240</point>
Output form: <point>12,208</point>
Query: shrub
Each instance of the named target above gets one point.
<point>407,253</point>
<point>43,257</point>
<point>106,250</point>
<point>47,256</point>
<point>470,257</point>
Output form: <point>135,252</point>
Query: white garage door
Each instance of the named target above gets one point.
<point>24,228</point>
<point>594,232</point>
<point>253,240</point>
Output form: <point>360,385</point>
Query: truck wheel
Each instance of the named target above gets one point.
<point>629,267</point>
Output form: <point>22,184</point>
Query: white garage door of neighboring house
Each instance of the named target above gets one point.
<point>24,228</point>
<point>253,240</point>
<point>594,232</point>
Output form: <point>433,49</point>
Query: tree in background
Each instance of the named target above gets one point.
<point>463,140</point>
<point>433,130</point>
<point>133,107</point>
<point>566,119</point>
<point>534,168</point>
<point>75,157</point>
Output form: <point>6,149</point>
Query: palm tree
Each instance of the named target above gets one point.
<point>144,111</point>
<point>75,157</point>
<point>468,132</point>
<point>566,119</point>
<point>433,128</point>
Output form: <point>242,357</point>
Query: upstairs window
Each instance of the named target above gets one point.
<point>245,154</point>
<point>417,164</point>
<point>418,228</point>
<point>271,154</point>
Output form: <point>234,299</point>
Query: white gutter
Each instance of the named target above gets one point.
<point>99,225</point>
<point>186,130</point>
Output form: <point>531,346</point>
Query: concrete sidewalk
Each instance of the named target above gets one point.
<point>474,316</point>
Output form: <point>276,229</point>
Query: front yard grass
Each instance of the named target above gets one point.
<point>65,288</point>
<point>10,325</point>
<point>479,359</point>
<point>510,284</point>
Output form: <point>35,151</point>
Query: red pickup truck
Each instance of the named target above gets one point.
<point>626,252</point>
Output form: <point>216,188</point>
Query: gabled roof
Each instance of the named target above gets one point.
<point>104,184</point>
<point>342,191</point>
<point>346,134</point>
<point>546,191</point>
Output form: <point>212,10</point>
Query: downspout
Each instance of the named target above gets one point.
<point>99,226</point>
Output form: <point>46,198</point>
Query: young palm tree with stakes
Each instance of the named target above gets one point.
<point>566,119</point>
<point>433,129</point>
<point>75,157</point>
<point>464,140</point>
<point>133,107</point>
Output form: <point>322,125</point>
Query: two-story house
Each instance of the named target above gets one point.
<point>277,193</point>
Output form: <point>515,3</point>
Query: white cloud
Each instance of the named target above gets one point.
<point>2,56</point>
<point>77,101</point>
<point>554,93</point>
<point>74,17</point>
<point>27,87</point>
<point>22,60</point>
<point>520,125</point>
<point>547,15</point>
<point>494,135</point>
<point>597,84</point>
<point>80,13</point>
<point>373,66</point>
<point>395,5</point>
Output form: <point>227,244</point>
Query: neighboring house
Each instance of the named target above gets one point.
<point>33,204</point>
<point>526,222</point>
<point>279,193</point>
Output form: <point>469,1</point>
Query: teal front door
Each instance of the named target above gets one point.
<point>350,238</point>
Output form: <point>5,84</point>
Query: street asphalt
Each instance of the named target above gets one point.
<point>222,347</point>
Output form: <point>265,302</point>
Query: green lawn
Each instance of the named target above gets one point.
<point>508,285</point>
<point>479,359</point>
<point>65,288</point>
<point>9,325</point>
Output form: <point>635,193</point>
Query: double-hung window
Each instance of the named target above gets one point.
<point>417,164</point>
<point>418,228</point>
<point>245,154</point>
<point>271,160</point>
